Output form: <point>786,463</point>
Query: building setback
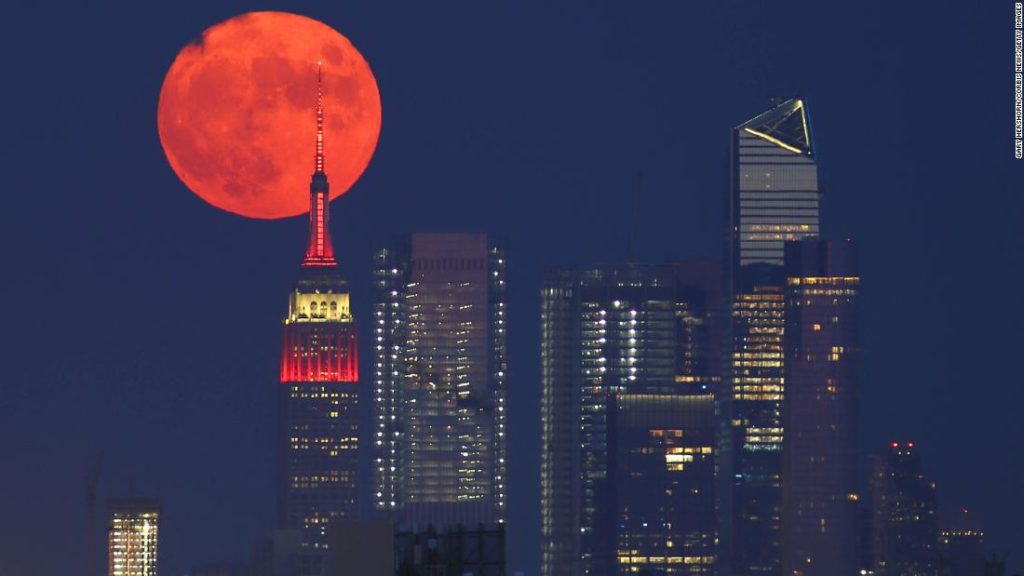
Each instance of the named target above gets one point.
<point>440,373</point>
<point>820,504</point>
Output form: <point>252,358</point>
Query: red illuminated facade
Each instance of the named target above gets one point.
<point>312,354</point>
<point>319,392</point>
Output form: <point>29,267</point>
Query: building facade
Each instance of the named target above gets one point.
<point>774,198</point>
<point>617,342</point>
<point>440,373</point>
<point>663,471</point>
<point>319,391</point>
<point>133,537</point>
<point>820,499</point>
<point>904,526</point>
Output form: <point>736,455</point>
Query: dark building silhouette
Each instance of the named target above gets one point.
<point>820,511</point>
<point>389,549</point>
<point>774,198</point>
<point>995,565</point>
<point>629,363</point>
<point>319,391</point>
<point>440,373</point>
<point>904,528</point>
<point>962,553</point>
<point>961,548</point>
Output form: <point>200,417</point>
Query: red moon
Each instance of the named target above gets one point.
<point>237,113</point>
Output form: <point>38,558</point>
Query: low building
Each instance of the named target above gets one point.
<point>387,549</point>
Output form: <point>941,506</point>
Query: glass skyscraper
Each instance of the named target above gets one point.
<point>439,386</point>
<point>820,499</point>
<point>775,195</point>
<point>774,198</point>
<point>628,353</point>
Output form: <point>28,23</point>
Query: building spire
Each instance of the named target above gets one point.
<point>320,251</point>
<point>319,118</point>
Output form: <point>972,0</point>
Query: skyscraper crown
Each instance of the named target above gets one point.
<point>786,124</point>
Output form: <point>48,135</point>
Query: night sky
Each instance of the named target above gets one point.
<point>144,324</point>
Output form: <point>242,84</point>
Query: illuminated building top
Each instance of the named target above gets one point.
<point>775,194</point>
<point>320,335</point>
<point>786,126</point>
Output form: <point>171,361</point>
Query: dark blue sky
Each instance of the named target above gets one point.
<point>143,323</point>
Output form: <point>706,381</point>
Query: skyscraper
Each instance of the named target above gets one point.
<point>774,198</point>
<point>319,390</point>
<point>133,537</point>
<point>628,355</point>
<point>904,529</point>
<point>440,373</point>
<point>820,522</point>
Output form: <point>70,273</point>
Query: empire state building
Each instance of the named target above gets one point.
<point>319,391</point>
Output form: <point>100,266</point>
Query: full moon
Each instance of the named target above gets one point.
<point>237,113</point>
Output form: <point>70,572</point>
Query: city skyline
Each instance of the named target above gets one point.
<point>190,374</point>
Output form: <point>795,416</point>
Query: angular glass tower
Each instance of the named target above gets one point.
<point>440,373</point>
<point>319,393</point>
<point>774,198</point>
<point>629,366</point>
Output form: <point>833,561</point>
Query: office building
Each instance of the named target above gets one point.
<point>961,549</point>
<point>439,380</point>
<point>961,553</point>
<point>133,532</point>
<point>904,529</point>
<point>820,494</point>
<point>663,470</point>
